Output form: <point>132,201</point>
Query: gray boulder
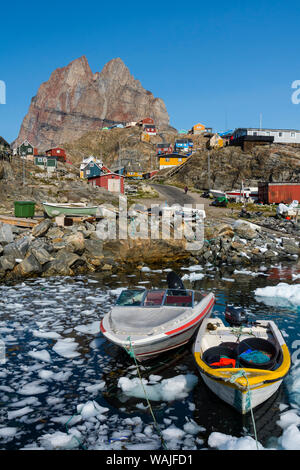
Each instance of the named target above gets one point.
<point>6,233</point>
<point>41,229</point>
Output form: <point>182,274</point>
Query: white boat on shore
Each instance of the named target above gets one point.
<point>243,371</point>
<point>157,320</point>
<point>217,193</point>
<point>250,192</point>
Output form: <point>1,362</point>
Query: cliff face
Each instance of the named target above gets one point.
<point>74,101</point>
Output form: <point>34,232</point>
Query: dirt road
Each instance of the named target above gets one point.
<point>173,195</point>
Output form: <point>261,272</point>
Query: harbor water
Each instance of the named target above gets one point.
<point>60,382</point>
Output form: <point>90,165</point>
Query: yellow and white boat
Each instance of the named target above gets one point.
<point>243,384</point>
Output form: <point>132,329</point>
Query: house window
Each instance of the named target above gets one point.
<point>280,134</point>
<point>57,151</point>
<point>88,172</point>
<point>180,159</point>
<point>167,159</point>
<point>254,133</point>
<point>293,134</point>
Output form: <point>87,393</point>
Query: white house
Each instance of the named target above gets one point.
<point>281,136</point>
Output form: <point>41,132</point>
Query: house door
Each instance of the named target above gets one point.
<point>114,185</point>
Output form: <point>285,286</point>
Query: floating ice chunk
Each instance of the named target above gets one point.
<point>195,267</point>
<point>45,374</point>
<point>25,401</point>
<point>245,272</point>
<point>62,376</point>
<point>173,433</point>
<point>32,388</point>
<point>145,269</point>
<point>283,294</point>
<point>290,439</point>
<point>90,409</point>
<point>19,413</point>
<point>59,440</point>
<point>175,388</point>
<point>46,334</point>
<point>66,348</point>
<point>116,291</point>
<point>91,329</point>
<point>288,418</point>
<point>192,428</point>
<point>94,388</point>
<point>193,277</point>
<point>227,442</point>
<point>42,355</point>
<point>8,432</point>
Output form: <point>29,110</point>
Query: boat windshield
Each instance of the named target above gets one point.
<point>156,298</point>
<point>131,297</point>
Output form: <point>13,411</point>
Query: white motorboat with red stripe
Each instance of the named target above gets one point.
<point>157,320</point>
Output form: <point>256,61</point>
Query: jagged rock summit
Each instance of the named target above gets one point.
<point>74,101</point>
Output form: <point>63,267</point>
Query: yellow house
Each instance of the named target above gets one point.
<point>135,174</point>
<point>198,128</point>
<point>172,159</point>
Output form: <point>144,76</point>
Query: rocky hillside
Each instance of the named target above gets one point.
<point>65,187</point>
<point>230,166</point>
<point>74,101</point>
<point>109,145</point>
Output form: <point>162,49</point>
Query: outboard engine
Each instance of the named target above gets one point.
<point>174,281</point>
<point>235,316</point>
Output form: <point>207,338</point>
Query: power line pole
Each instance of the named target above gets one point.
<point>208,169</point>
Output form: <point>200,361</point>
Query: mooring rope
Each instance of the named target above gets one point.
<point>233,378</point>
<point>131,353</point>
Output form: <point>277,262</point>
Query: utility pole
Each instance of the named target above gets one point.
<point>208,169</point>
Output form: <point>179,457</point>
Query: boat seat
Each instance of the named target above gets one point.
<point>179,301</point>
<point>154,298</point>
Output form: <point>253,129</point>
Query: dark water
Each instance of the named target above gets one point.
<point>47,393</point>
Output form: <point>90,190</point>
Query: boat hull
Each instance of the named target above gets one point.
<point>239,399</point>
<point>243,388</point>
<point>149,347</point>
<point>54,210</point>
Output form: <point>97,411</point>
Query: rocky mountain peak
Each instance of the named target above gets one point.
<point>74,101</point>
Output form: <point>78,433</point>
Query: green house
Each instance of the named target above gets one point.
<point>46,163</point>
<point>25,149</point>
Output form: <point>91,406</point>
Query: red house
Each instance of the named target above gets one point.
<point>57,152</point>
<point>147,120</point>
<point>150,129</point>
<point>110,181</point>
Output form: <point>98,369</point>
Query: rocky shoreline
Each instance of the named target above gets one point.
<point>52,250</point>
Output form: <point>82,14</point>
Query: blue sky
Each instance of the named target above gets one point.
<point>219,63</point>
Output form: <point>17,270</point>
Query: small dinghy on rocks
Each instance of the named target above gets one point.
<point>151,322</point>
<point>243,364</point>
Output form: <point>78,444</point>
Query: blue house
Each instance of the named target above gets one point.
<point>91,167</point>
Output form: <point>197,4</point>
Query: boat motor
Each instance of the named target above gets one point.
<point>235,316</point>
<point>174,281</point>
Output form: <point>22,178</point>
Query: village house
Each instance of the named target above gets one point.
<point>150,129</point>
<point>46,163</point>
<point>163,148</point>
<point>90,166</point>
<point>248,137</point>
<point>57,152</point>
<point>110,181</point>
<point>26,150</point>
<point>184,145</point>
<point>169,160</point>
<point>200,129</point>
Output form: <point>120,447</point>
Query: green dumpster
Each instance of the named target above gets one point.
<point>24,208</point>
